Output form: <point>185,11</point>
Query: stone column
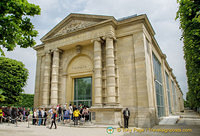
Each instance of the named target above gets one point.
<point>37,81</point>
<point>47,77</point>
<point>110,71</point>
<point>171,91</point>
<point>98,72</point>
<point>165,96</point>
<point>54,79</point>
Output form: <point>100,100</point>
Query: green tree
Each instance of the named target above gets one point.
<point>13,77</point>
<point>15,25</point>
<point>189,16</point>
<point>2,97</point>
<point>26,101</point>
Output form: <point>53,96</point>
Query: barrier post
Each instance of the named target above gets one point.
<point>8,120</point>
<point>28,122</point>
<point>16,122</point>
<point>47,122</point>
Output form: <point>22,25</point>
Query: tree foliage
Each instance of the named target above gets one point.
<point>26,101</point>
<point>13,77</point>
<point>2,97</point>
<point>189,16</point>
<point>15,25</point>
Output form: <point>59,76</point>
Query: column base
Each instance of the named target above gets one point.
<point>106,115</point>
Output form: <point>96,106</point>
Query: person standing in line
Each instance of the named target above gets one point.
<point>12,115</point>
<point>45,116</point>
<point>74,107</point>
<point>66,116</point>
<point>1,114</point>
<point>24,114</point>
<point>86,113</point>
<point>126,114</point>
<point>34,116</point>
<point>71,112</point>
<point>42,111</point>
<point>27,114</point>
<point>76,116</point>
<point>39,117</point>
<point>53,118</point>
<point>59,113</point>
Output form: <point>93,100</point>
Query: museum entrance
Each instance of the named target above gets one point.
<point>83,91</point>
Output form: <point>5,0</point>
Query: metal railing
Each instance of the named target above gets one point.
<point>83,102</point>
<point>30,118</point>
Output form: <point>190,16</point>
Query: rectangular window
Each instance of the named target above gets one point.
<point>83,91</point>
<point>168,91</point>
<point>158,86</point>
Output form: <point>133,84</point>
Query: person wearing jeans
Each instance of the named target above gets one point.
<point>53,118</point>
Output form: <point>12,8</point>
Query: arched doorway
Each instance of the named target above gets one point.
<point>80,88</point>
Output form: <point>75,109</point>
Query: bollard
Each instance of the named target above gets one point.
<point>47,123</point>
<point>16,122</point>
<point>8,120</point>
<point>28,122</point>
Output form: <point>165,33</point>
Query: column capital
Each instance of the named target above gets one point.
<point>98,39</point>
<point>47,52</point>
<point>57,50</point>
<point>109,36</point>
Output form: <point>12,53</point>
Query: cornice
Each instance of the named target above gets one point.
<point>89,28</point>
<point>37,47</point>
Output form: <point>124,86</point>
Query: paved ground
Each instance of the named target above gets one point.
<point>189,123</point>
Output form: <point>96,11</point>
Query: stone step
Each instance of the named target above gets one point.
<point>170,120</point>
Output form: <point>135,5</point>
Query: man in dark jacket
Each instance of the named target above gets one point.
<point>126,114</point>
<point>59,113</point>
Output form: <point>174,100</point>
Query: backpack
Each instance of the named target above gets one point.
<point>66,114</point>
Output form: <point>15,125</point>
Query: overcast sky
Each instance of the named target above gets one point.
<point>161,14</point>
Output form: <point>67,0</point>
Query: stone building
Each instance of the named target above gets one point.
<point>109,65</point>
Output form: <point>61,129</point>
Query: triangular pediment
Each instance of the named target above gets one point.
<point>74,22</point>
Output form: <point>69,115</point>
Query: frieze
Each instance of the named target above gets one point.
<point>73,26</point>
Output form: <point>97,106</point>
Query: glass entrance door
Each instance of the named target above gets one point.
<point>83,91</point>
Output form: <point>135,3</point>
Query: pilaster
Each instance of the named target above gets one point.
<point>164,85</point>
<point>47,78</point>
<point>54,78</point>
<point>98,72</point>
<point>110,72</point>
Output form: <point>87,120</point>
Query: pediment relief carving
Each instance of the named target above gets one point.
<point>73,26</point>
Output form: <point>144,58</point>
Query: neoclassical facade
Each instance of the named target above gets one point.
<point>108,65</point>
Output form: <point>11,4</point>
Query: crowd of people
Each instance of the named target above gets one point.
<point>39,116</point>
<point>12,114</point>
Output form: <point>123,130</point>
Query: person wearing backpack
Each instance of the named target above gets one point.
<point>66,116</point>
